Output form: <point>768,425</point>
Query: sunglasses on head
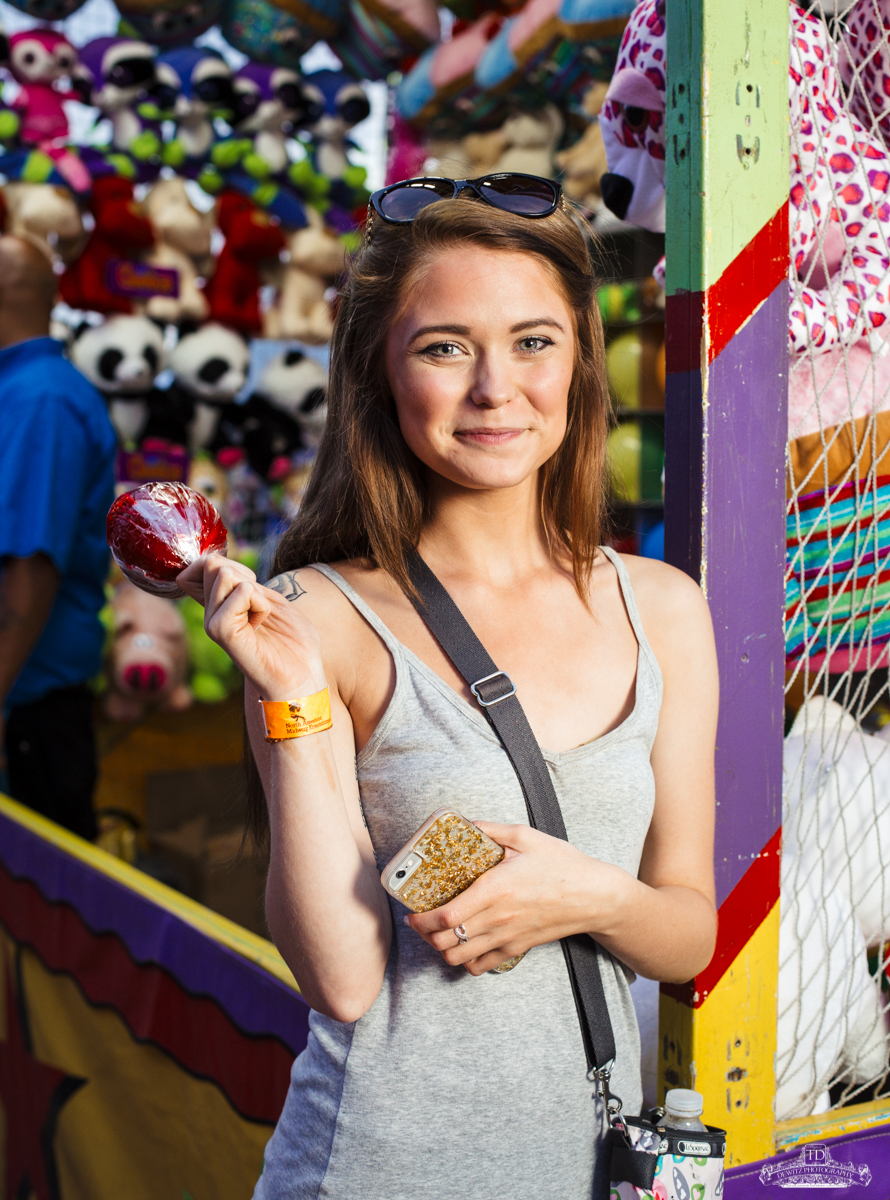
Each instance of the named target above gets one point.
<point>523,195</point>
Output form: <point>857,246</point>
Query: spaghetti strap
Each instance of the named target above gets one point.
<point>630,603</point>
<point>393,645</point>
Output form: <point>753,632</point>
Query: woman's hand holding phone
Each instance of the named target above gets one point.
<point>544,889</point>
<point>267,637</point>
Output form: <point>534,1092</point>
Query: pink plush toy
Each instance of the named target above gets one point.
<point>37,60</point>
<point>149,656</point>
<point>839,212</point>
<point>864,61</point>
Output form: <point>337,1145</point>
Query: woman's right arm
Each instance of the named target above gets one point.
<point>326,909</point>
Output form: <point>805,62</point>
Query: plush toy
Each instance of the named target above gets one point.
<point>233,290</point>
<point>440,89</point>
<point>378,36</point>
<point>209,368</point>
<point>182,243</point>
<point>296,385</point>
<point>121,357</point>
<point>317,256</point>
<point>269,103</point>
<point>46,10</point>
<point>199,88</point>
<point>583,164</point>
<point>267,33</point>
<point>343,103</point>
<point>168,23</point>
<point>261,434</point>
<point>148,660</point>
<point>49,216</point>
<point>835,859</point>
<point>864,62</point>
<point>407,150</point>
<point>838,227</point>
<point>115,74</point>
<point>120,232</point>
<point>530,139</point>
<point>38,60</point>
<point>554,49</point>
<point>208,478</point>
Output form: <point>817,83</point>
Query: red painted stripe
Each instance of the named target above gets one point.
<point>740,915</point>
<point>752,276</point>
<point>252,1072</point>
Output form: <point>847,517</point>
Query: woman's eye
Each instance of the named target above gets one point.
<point>533,344</point>
<point>442,350</point>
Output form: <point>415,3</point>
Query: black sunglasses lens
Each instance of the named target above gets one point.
<point>525,197</point>
<point>404,203</point>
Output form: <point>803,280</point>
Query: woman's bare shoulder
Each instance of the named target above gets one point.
<point>342,628</point>
<point>672,606</point>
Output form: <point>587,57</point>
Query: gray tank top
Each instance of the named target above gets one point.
<point>453,1087</point>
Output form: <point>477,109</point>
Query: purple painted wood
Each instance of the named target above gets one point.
<point>725,525</point>
<point>256,1001</point>
<point>869,1149</point>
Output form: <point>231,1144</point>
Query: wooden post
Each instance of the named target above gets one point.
<point>726,428</point>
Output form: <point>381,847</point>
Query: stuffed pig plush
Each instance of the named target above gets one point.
<point>148,660</point>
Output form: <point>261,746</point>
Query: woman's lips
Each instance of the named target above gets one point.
<point>489,437</point>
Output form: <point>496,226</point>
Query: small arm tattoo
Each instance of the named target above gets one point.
<point>286,584</point>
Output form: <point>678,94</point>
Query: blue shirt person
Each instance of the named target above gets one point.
<point>56,484</point>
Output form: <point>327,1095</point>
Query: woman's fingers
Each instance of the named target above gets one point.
<point>199,578</point>
<point>244,604</point>
<point>221,577</point>
<point>191,580</point>
<point>513,837</point>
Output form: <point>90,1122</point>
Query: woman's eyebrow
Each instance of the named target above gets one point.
<point>461,330</point>
<point>536,323</point>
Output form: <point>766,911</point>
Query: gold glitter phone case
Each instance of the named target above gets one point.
<point>439,862</point>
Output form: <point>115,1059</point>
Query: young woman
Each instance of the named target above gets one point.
<point>467,418</point>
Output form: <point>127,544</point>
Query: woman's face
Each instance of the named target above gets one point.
<point>480,362</point>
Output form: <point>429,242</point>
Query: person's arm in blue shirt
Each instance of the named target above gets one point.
<point>27,590</point>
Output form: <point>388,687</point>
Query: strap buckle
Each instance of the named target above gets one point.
<point>474,688</point>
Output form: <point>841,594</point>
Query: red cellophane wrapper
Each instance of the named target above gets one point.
<point>156,530</point>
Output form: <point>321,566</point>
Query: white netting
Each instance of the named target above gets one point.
<point>834,964</point>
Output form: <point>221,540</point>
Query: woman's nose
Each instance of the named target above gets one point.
<point>493,385</point>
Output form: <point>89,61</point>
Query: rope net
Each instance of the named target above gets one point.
<point>834,996</point>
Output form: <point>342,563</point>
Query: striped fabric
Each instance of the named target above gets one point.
<point>837,573</point>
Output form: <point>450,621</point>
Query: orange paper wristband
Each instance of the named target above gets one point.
<point>285,719</point>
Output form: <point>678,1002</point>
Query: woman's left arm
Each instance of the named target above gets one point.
<point>663,923</point>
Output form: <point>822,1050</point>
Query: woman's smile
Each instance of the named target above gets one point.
<point>489,437</point>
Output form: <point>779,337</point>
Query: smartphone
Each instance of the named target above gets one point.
<point>439,862</point>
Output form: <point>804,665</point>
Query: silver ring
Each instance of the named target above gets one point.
<point>460,932</point>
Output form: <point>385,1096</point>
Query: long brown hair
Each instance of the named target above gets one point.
<point>368,496</point>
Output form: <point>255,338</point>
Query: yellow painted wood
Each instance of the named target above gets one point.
<point>842,1121</point>
<point>726,1049</point>
<point>726,132</point>
<point>258,950</point>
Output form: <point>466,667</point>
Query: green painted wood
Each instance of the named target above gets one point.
<point>726,132</point>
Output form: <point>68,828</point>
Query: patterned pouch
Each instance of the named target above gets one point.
<point>688,1164</point>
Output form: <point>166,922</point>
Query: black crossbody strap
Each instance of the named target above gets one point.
<point>497,696</point>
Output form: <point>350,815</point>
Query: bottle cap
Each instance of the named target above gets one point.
<point>684,1102</point>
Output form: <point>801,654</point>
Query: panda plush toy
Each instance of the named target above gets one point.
<point>121,357</point>
<point>296,385</point>
<point>285,414</point>
<point>209,369</point>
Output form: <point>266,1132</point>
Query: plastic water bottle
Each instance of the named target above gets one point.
<point>683,1109</point>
